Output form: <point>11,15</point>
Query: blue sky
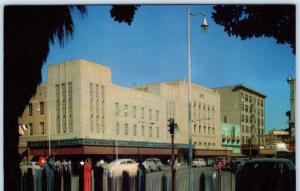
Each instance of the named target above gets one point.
<point>154,49</point>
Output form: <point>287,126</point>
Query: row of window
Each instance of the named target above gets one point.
<point>250,109</point>
<point>199,130</point>
<point>252,140</point>
<point>202,109</point>
<point>40,109</point>
<point>125,110</point>
<point>64,107</point>
<point>126,130</point>
<point>204,144</point>
<point>247,129</point>
<point>41,129</point>
<point>230,141</point>
<point>248,98</point>
<point>97,93</point>
<point>250,119</point>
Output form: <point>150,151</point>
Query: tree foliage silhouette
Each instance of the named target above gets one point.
<point>252,21</point>
<point>28,30</point>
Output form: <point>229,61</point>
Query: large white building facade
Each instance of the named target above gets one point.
<point>87,114</point>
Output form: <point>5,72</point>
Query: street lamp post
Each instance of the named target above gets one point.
<point>204,27</point>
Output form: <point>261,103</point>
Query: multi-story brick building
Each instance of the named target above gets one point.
<point>245,107</point>
<point>82,112</point>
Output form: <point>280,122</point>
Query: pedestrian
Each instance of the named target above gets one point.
<point>81,175</point>
<point>87,175</point>
<point>66,176</point>
<point>49,169</point>
<point>57,176</point>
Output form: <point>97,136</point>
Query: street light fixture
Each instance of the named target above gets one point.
<point>204,27</point>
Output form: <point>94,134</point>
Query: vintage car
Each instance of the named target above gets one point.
<point>270,174</point>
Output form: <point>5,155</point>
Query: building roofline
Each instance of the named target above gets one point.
<point>79,60</point>
<point>242,86</point>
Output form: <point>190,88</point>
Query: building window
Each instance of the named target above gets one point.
<point>70,107</point>
<point>157,132</point>
<point>167,109</point>
<point>117,109</point>
<point>143,130</point>
<point>209,131</point>
<point>250,99</point>
<point>134,111</point>
<point>246,106</point>
<point>200,143</point>
<point>150,131</point>
<point>242,117</point>
<point>157,115</point>
<point>42,127</point>
<point>246,118</point>
<point>200,129</point>
<point>242,107</point>
<point>125,110</point>
<point>30,109</point>
<point>57,94</point>
<point>30,128</point>
<point>126,129</point>
<point>63,107</point>
<point>195,126</point>
<point>242,95</point>
<point>42,108</point>
<point>134,130</point>
<point>117,128</point>
<point>261,103</point>
<point>204,130</point>
<point>142,112</point>
<point>213,131</point>
<point>150,114</point>
<point>246,97</point>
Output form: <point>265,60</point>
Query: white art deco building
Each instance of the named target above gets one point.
<point>89,115</point>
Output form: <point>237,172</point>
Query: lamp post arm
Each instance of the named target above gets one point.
<point>197,14</point>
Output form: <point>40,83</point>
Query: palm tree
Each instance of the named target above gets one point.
<point>28,30</point>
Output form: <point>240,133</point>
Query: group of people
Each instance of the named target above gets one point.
<point>57,176</point>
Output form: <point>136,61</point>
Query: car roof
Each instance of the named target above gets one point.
<point>288,162</point>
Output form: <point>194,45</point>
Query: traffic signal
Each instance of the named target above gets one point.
<point>172,126</point>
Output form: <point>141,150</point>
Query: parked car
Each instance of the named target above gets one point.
<point>237,163</point>
<point>269,174</point>
<point>150,165</point>
<point>117,167</point>
<point>177,162</point>
<point>158,163</point>
<point>210,162</point>
<point>199,162</point>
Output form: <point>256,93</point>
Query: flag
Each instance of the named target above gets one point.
<point>23,128</point>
